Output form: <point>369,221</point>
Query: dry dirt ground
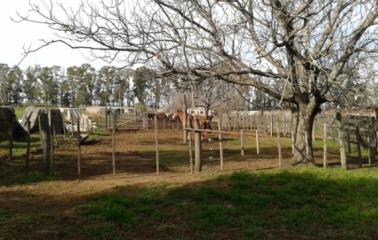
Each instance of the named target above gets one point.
<point>46,209</point>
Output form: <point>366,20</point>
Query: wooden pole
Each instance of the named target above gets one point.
<point>348,141</point>
<point>241,143</point>
<point>271,125</point>
<point>279,147</point>
<point>51,161</point>
<point>197,148</point>
<point>78,148</point>
<point>72,123</point>
<point>113,143</point>
<point>324,145</point>
<point>190,152</point>
<point>156,144</point>
<point>184,107</point>
<point>369,147</point>
<point>257,143</point>
<point>220,145</point>
<point>285,122</point>
<point>358,138</point>
<point>27,160</point>
<point>106,117</point>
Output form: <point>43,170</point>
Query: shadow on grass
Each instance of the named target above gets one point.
<point>295,204</point>
<point>16,177</point>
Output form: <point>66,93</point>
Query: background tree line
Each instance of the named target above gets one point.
<point>85,86</point>
<point>82,86</point>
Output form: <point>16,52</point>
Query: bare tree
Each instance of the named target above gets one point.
<point>306,47</point>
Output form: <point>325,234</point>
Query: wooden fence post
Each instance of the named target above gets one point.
<point>78,148</point>
<point>348,141</point>
<point>241,142</point>
<point>197,148</point>
<point>369,147</point>
<point>220,145</point>
<point>184,124</point>
<point>113,143</point>
<point>279,147</point>
<point>157,145</point>
<point>271,125</point>
<point>324,145</point>
<point>358,138</point>
<point>257,143</point>
<point>285,122</point>
<point>27,159</point>
<point>51,160</point>
<point>190,152</point>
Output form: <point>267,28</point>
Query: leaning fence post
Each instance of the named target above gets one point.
<point>156,144</point>
<point>325,145</point>
<point>220,145</point>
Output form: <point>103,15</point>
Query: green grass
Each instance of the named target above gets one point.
<point>4,215</point>
<point>14,177</point>
<point>27,219</point>
<point>19,112</point>
<point>19,148</point>
<point>291,204</point>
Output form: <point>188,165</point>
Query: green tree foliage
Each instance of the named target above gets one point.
<point>31,89</point>
<point>145,79</point>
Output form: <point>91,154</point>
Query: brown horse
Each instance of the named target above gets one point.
<point>203,123</point>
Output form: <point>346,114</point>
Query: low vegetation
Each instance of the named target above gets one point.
<point>290,204</point>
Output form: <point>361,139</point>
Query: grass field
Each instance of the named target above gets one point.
<point>297,203</point>
<point>240,203</point>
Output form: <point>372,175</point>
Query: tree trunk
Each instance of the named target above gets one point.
<point>304,116</point>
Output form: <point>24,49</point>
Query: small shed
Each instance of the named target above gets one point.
<point>8,120</point>
<point>32,113</point>
<point>72,115</point>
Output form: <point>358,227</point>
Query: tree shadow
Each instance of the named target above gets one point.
<point>285,205</point>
